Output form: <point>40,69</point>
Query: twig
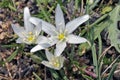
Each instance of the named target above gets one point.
<point>104,52</point>
<point>110,65</point>
<point>81,11</point>
<point>3,77</point>
<point>7,66</point>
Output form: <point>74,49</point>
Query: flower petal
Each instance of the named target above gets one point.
<point>38,28</point>
<point>53,40</point>
<point>45,40</point>
<point>75,39</point>
<point>47,27</point>
<point>72,25</point>
<point>46,63</point>
<point>40,47</point>
<point>19,40</point>
<point>49,55</point>
<point>42,39</point>
<point>28,26</point>
<point>60,48</point>
<point>59,19</point>
<point>61,58</point>
<point>18,30</point>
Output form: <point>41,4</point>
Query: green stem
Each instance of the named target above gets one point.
<point>100,45</point>
<point>100,51</point>
<point>91,37</point>
<point>95,61</point>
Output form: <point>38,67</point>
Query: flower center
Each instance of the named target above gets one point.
<point>55,62</point>
<point>30,38</point>
<point>61,36</point>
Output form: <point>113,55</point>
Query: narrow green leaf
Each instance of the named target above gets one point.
<point>37,77</point>
<point>9,45</point>
<point>43,10</point>
<point>87,77</point>
<point>35,58</point>
<point>100,51</point>
<point>100,45</point>
<point>12,8</point>
<point>2,63</point>
<point>55,74</point>
<point>12,56</point>
<point>76,4</point>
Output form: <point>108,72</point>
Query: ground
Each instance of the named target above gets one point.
<point>17,63</point>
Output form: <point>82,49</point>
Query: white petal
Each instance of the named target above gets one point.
<point>18,30</point>
<point>47,27</point>
<point>75,39</point>
<point>19,40</point>
<point>53,40</point>
<point>61,61</point>
<point>49,55</point>
<point>40,47</point>
<point>45,40</point>
<point>28,26</point>
<point>42,39</point>
<point>38,28</point>
<point>46,63</point>
<point>59,19</point>
<point>72,25</point>
<point>60,48</point>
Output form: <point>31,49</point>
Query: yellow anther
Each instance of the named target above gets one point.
<point>31,38</point>
<point>55,62</point>
<point>61,36</point>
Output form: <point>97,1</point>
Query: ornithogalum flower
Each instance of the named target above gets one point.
<point>54,62</point>
<point>29,34</point>
<point>62,34</point>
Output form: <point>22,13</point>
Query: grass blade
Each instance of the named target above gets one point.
<point>12,56</point>
<point>112,71</point>
<point>38,78</point>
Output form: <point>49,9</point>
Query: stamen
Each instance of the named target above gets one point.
<point>61,36</point>
<point>55,62</point>
<point>30,38</point>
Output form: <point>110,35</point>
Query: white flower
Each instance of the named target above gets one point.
<point>29,34</point>
<point>62,34</point>
<point>54,62</point>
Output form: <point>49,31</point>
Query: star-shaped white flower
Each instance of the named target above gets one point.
<point>54,62</point>
<point>29,34</point>
<point>62,34</point>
